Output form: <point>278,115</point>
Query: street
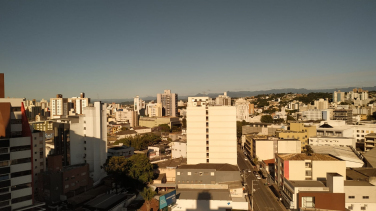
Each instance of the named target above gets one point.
<point>263,199</point>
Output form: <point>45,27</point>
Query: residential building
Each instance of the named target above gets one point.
<point>79,103</point>
<point>338,96</point>
<point>264,147</point>
<point>179,149</point>
<point>139,106</point>
<point>168,167</point>
<point>312,114</point>
<point>261,128</point>
<point>360,195</point>
<point>369,143</point>
<point>39,152</point>
<point>332,141</point>
<point>123,151</point>
<point>357,94</point>
<point>343,114</point>
<point>321,104</point>
<point>61,182</point>
<point>211,133</point>
<point>314,195</point>
<point>303,136</point>
<point>181,103</point>
<point>124,115</point>
<point>242,109</point>
<point>153,109</point>
<point>151,122</point>
<point>59,107</point>
<point>16,155</point>
<point>362,174</point>
<point>169,103</point>
<point>88,135</point>
<point>223,100</point>
<point>301,166</point>
<point>125,134</point>
<point>209,187</point>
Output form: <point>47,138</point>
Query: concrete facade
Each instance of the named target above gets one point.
<point>169,103</point>
<point>211,134</point>
<point>179,149</point>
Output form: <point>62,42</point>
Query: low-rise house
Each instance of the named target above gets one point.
<point>125,134</point>
<point>179,149</point>
<point>360,195</point>
<point>307,167</point>
<point>142,130</point>
<point>332,141</point>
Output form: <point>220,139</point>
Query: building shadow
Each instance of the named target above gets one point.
<point>203,202</point>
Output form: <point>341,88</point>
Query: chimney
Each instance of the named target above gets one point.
<point>82,95</point>
<point>2,92</point>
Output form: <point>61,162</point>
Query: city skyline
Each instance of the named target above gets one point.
<point>197,46</point>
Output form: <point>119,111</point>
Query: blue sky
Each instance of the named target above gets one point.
<point>120,49</point>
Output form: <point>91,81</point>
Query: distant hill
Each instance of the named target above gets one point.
<point>244,93</point>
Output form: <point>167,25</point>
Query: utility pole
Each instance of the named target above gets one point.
<point>252,193</point>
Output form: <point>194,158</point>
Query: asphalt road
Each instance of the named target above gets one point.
<point>263,199</point>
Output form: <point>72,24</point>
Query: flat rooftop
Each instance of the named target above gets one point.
<point>303,156</point>
<point>172,163</point>
<point>357,183</point>
<point>203,194</point>
<point>302,183</point>
<point>217,167</point>
<point>106,201</point>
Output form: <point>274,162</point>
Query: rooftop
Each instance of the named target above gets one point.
<point>126,132</point>
<point>303,156</point>
<point>357,183</point>
<point>302,183</point>
<point>343,153</point>
<point>217,167</point>
<point>203,194</point>
<point>370,157</point>
<point>172,163</point>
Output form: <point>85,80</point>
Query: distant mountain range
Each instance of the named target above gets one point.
<point>243,94</point>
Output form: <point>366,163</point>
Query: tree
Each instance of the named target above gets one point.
<point>267,119</point>
<point>148,195</point>
<point>133,171</point>
<point>164,128</point>
<point>308,150</point>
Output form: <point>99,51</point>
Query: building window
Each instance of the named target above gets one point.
<point>308,173</point>
<point>365,197</point>
<point>351,197</point>
<point>189,173</point>
<point>308,202</point>
<point>178,173</point>
<point>308,165</point>
<point>212,173</point>
<point>201,173</point>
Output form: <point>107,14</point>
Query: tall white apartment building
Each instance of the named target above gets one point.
<point>321,104</point>
<point>126,115</point>
<point>338,96</point>
<point>59,107</point>
<point>79,103</point>
<point>211,132</point>
<point>17,159</point>
<point>312,114</point>
<point>357,94</point>
<point>88,135</point>
<point>242,109</point>
<point>139,104</point>
<point>223,100</point>
<point>169,103</point>
<point>153,109</point>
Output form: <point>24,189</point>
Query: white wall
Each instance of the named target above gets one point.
<point>205,205</point>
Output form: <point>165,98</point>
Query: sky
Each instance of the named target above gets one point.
<point>119,49</point>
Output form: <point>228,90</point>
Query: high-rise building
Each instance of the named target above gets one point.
<point>2,91</point>
<point>223,100</point>
<point>338,96</point>
<point>357,94</point>
<point>88,135</point>
<point>17,169</point>
<point>321,104</point>
<point>153,109</point>
<point>242,109</point>
<point>139,105</point>
<point>59,107</point>
<point>79,103</point>
<point>211,132</point>
<point>169,103</point>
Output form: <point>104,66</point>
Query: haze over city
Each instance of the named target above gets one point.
<point>193,46</point>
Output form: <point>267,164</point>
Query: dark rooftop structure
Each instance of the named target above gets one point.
<point>172,163</point>
<point>204,194</point>
<point>107,201</point>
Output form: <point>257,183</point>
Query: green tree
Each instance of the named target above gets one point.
<point>118,167</point>
<point>140,142</point>
<point>141,168</point>
<point>164,128</point>
<point>267,119</point>
<point>148,195</point>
